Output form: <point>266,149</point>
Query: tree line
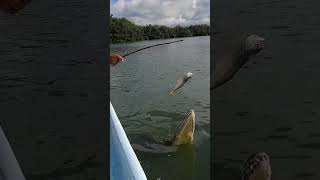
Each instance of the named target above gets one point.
<point>123,30</point>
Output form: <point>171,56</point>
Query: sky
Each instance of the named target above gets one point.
<point>163,12</point>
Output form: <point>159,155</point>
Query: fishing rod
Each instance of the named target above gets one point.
<point>150,47</point>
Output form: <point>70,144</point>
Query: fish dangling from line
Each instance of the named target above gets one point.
<point>180,82</point>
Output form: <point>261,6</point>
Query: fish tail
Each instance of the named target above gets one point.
<point>172,93</point>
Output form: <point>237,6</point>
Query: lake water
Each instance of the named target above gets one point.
<point>139,90</point>
<point>271,105</point>
<point>52,77</point>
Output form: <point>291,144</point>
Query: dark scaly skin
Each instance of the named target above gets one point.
<point>12,6</point>
<point>183,135</point>
<point>184,132</point>
<point>257,167</point>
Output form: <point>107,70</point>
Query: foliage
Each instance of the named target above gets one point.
<point>123,30</point>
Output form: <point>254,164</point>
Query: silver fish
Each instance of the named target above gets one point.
<point>180,82</point>
<point>228,65</point>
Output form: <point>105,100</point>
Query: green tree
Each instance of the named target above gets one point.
<point>123,30</point>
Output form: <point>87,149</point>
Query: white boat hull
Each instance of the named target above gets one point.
<point>124,164</point>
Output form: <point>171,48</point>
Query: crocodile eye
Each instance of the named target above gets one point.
<point>188,112</point>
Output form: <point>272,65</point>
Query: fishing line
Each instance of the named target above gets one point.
<point>150,47</point>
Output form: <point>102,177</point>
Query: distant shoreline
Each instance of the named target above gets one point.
<point>123,31</point>
<point>155,39</point>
